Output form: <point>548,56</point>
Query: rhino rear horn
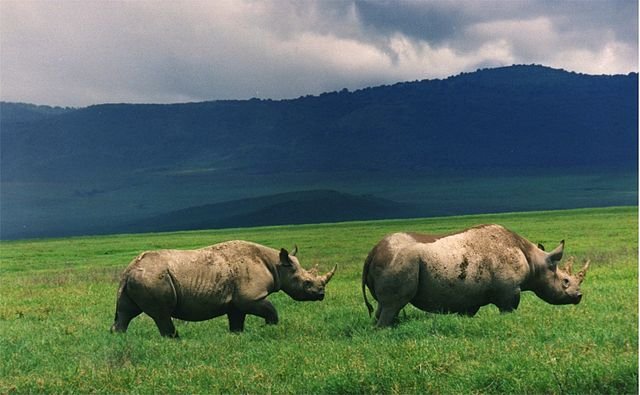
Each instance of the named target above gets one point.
<point>327,277</point>
<point>569,265</point>
<point>583,272</point>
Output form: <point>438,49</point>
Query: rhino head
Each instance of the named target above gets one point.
<point>556,285</point>
<point>299,283</point>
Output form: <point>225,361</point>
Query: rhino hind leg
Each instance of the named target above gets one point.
<point>126,310</point>
<point>378,311</point>
<point>155,294</point>
<point>388,314</point>
<point>393,298</point>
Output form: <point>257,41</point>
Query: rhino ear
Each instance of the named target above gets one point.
<point>284,257</point>
<point>295,250</point>
<point>556,254</point>
<point>540,246</point>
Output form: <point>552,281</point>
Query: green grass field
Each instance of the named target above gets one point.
<point>57,303</point>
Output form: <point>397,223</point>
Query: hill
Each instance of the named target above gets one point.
<point>12,113</point>
<point>513,116</point>
<point>68,171</point>
<point>281,209</point>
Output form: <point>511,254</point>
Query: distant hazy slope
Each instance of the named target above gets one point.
<point>280,209</point>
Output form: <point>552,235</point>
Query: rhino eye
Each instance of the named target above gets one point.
<point>565,282</point>
<point>307,283</point>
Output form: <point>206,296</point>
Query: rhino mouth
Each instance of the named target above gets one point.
<point>308,297</point>
<point>577,298</point>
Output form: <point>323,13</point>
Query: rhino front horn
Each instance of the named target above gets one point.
<point>583,271</point>
<point>327,277</point>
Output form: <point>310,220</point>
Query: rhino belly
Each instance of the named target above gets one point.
<point>201,307</point>
<point>450,295</point>
<point>448,303</point>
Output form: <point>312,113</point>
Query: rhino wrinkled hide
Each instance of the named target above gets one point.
<point>461,272</point>
<point>232,278</point>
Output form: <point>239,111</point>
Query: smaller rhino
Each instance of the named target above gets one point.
<point>461,272</point>
<point>232,278</point>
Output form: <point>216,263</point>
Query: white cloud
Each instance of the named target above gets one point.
<point>612,58</point>
<point>78,53</point>
<point>539,41</point>
<point>530,38</point>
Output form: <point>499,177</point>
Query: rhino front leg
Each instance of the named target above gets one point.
<point>165,326</point>
<point>471,311</point>
<point>236,320</point>
<point>509,302</point>
<point>262,308</point>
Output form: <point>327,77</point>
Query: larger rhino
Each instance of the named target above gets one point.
<point>461,272</point>
<point>232,278</point>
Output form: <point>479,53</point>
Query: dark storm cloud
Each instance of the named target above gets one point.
<point>446,21</point>
<point>77,53</point>
<point>433,22</point>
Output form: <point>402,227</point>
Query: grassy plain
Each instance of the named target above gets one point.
<point>57,302</point>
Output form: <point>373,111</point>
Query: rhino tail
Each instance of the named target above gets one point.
<point>365,274</point>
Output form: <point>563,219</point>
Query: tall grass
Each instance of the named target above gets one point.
<point>57,302</point>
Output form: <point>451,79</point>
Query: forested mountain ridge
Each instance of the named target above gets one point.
<point>506,139</point>
<point>512,116</point>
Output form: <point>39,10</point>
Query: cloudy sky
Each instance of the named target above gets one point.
<point>82,52</point>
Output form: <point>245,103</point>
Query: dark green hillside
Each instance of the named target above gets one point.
<point>487,141</point>
<point>11,113</point>
<point>519,116</point>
